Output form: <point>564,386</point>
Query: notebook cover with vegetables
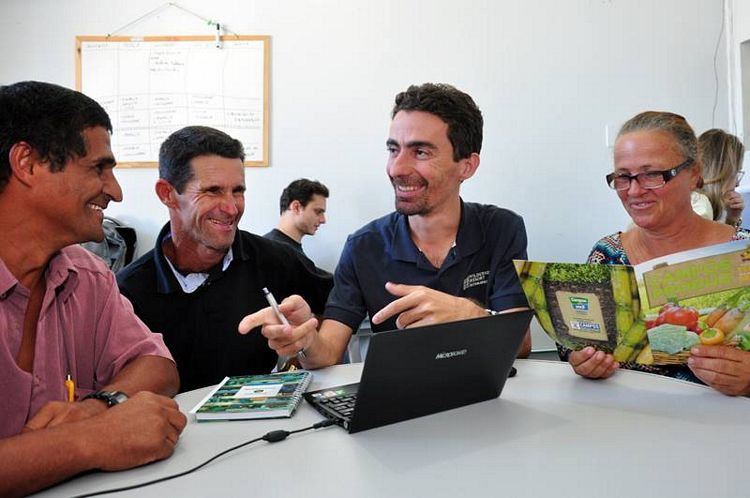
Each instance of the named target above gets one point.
<point>651,313</point>
<point>254,396</point>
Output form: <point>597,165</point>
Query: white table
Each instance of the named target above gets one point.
<point>550,433</point>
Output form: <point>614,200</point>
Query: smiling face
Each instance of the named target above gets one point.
<point>73,199</point>
<point>206,214</point>
<point>421,167</point>
<point>654,150</point>
<point>309,218</point>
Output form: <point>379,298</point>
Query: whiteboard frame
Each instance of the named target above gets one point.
<point>265,39</point>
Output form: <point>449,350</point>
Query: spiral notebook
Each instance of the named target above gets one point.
<point>254,396</point>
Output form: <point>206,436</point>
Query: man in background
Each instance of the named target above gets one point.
<point>61,314</point>
<point>204,273</point>
<point>303,210</point>
<point>435,259</point>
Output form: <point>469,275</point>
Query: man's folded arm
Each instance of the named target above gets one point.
<point>143,429</point>
<point>147,373</point>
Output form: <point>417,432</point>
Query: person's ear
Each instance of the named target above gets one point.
<point>23,161</point>
<point>295,206</point>
<point>696,180</point>
<point>469,166</point>
<point>166,193</point>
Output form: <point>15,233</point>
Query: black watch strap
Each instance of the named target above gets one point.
<point>112,398</point>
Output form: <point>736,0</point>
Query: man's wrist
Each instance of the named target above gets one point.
<point>477,310</point>
<point>304,353</point>
<point>109,398</point>
<point>93,406</point>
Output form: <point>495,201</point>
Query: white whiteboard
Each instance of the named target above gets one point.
<point>153,86</point>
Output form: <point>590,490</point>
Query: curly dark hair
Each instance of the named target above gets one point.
<point>190,142</point>
<point>50,118</point>
<point>456,108</point>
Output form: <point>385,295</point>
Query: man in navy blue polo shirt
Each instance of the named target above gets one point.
<point>435,259</point>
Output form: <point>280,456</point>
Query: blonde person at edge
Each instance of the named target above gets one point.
<point>656,166</point>
<point>721,156</point>
<point>435,259</point>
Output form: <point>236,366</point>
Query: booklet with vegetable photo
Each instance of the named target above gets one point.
<point>651,313</point>
<point>254,396</point>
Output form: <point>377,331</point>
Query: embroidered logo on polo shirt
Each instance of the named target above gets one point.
<point>479,278</point>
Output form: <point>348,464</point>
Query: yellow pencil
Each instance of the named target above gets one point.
<point>71,388</point>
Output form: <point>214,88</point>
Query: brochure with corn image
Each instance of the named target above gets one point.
<point>651,313</point>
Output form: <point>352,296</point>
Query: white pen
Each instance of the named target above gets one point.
<point>275,306</point>
<point>283,362</point>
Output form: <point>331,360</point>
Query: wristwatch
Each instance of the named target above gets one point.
<point>112,398</point>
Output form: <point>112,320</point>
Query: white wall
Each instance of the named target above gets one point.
<point>737,22</point>
<point>549,75</point>
<point>738,31</point>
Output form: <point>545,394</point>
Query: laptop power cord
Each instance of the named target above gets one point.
<point>280,435</point>
<point>271,437</point>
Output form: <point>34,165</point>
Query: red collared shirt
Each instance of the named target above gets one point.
<point>85,329</point>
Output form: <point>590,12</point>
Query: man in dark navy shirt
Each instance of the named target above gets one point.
<point>204,274</point>
<point>436,259</point>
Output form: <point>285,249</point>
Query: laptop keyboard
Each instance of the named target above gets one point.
<point>341,405</point>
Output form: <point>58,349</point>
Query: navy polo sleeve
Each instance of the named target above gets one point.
<point>511,244</point>
<point>345,302</point>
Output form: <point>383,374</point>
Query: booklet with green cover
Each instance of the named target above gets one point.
<point>651,313</point>
<point>254,396</point>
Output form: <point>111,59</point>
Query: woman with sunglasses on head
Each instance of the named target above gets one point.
<point>721,157</point>
<point>656,168</point>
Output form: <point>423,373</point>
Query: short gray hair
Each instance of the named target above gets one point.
<point>669,122</point>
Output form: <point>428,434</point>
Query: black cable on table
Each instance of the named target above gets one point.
<point>271,437</point>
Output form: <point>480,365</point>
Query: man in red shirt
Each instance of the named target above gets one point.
<point>61,313</point>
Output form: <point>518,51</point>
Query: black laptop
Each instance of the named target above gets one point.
<point>414,372</point>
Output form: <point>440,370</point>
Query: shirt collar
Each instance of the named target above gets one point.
<point>469,238</point>
<point>403,247</point>
<point>192,281</point>
<point>169,280</point>
<point>288,239</point>
<point>8,281</point>
<point>60,274</point>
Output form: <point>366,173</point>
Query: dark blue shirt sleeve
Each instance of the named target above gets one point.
<point>346,303</point>
<point>506,289</point>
